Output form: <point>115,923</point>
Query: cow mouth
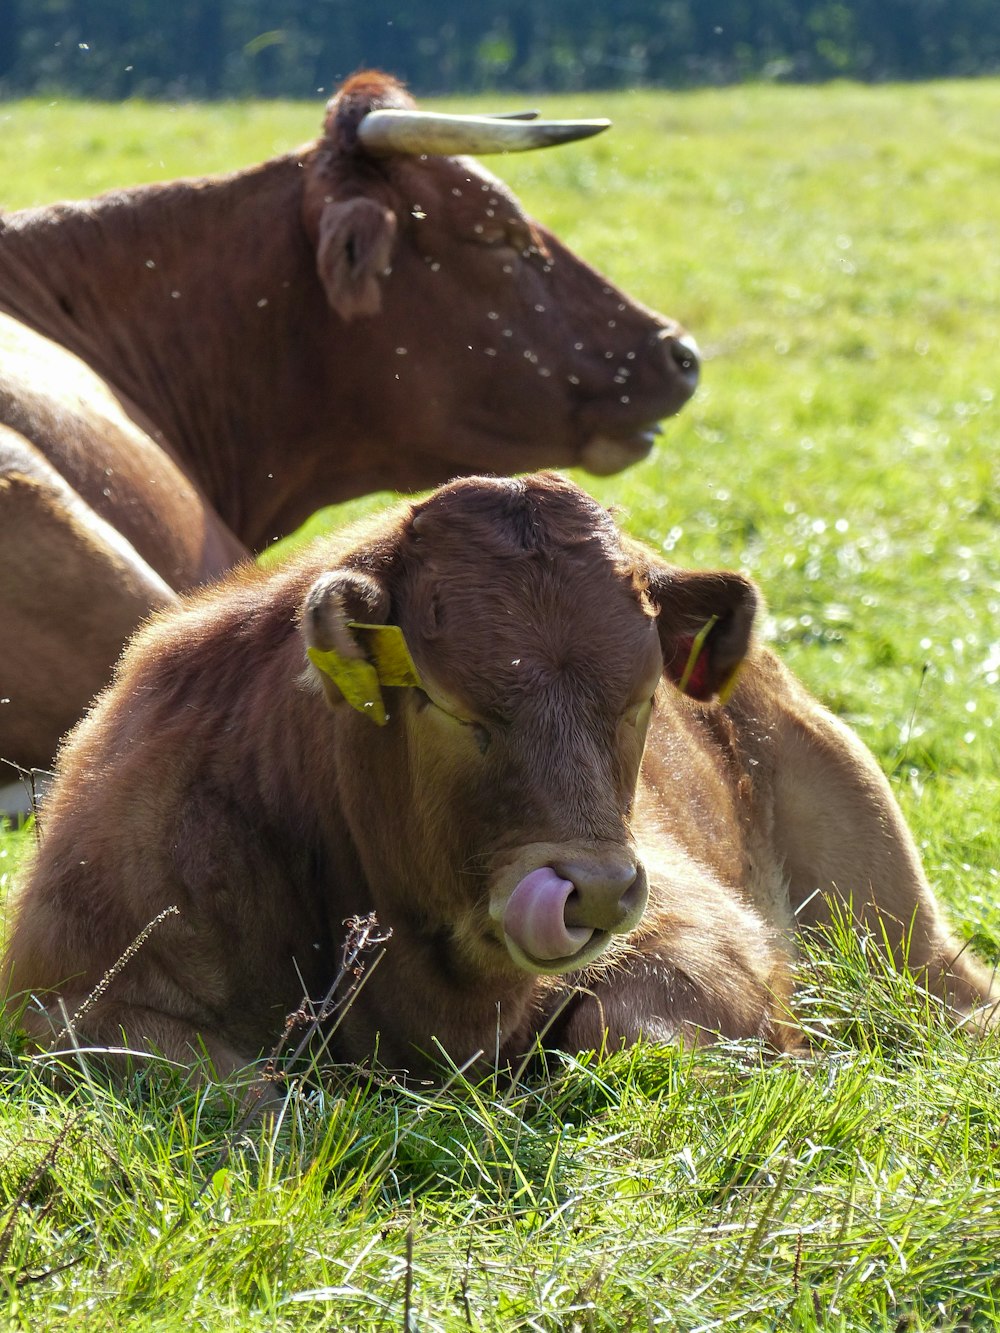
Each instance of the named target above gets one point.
<point>617,438</point>
<point>594,947</point>
<point>604,455</point>
<point>548,927</point>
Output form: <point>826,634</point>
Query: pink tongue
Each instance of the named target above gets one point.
<point>534,917</point>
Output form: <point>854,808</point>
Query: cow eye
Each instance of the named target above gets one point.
<point>514,237</point>
<point>475,729</point>
<point>492,234</point>
<point>480,735</point>
<point>520,237</point>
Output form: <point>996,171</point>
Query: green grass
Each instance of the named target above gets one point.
<point>837,253</point>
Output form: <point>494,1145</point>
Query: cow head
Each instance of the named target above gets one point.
<point>471,335</point>
<point>537,643</point>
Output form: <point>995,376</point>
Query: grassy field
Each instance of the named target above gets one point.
<point>837,253</point>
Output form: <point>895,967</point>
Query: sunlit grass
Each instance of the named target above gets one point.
<point>837,253</point>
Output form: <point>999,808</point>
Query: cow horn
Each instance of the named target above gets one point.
<point>384,132</point>
<point>512,115</point>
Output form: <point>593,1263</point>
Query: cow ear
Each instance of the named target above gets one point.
<point>352,650</point>
<point>705,622</point>
<point>338,600</point>
<point>354,246</point>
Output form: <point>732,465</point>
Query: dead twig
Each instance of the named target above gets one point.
<point>364,936</point>
<point>113,971</point>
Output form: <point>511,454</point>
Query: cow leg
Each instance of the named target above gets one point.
<point>845,847</point>
<point>112,1033</point>
<point>704,967</point>
<point>72,590</point>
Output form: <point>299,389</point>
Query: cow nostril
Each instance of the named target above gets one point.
<point>632,894</point>
<point>604,903</point>
<point>594,914</point>
<point>574,911</point>
<point>683,351</point>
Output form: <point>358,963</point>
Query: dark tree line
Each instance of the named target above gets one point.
<point>215,48</point>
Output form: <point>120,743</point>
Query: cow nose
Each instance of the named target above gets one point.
<point>605,897</point>
<point>682,350</point>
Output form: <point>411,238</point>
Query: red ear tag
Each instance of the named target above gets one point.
<point>696,682</point>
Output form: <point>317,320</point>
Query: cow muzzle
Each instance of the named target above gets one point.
<point>667,377</point>
<point>561,915</point>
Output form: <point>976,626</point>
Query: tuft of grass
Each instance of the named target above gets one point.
<point>837,253</point>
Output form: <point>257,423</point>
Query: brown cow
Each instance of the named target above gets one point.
<point>188,370</point>
<point>498,820</point>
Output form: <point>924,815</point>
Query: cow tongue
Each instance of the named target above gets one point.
<point>535,917</point>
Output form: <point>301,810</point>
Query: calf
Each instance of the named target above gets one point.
<point>512,734</point>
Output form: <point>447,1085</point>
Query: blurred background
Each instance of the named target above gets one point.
<point>113,49</point>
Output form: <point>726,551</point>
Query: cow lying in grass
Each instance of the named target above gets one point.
<point>515,736</point>
<point>189,369</point>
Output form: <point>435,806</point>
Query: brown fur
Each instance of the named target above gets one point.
<point>223,775</point>
<point>189,369</point>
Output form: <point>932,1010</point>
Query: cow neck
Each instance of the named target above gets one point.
<point>188,310</point>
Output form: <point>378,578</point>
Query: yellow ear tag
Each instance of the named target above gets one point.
<point>695,653</point>
<point>729,684</point>
<point>358,679</point>
<point>389,652</point>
